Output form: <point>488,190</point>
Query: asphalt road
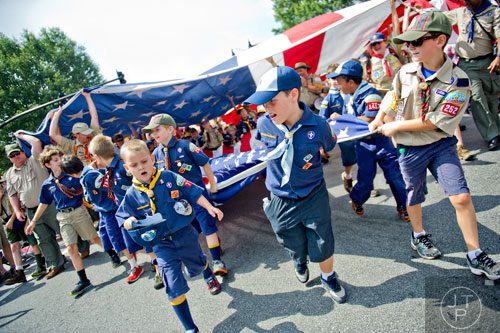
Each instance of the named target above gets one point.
<point>389,288</point>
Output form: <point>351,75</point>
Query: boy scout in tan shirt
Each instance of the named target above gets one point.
<point>421,111</point>
<point>479,31</point>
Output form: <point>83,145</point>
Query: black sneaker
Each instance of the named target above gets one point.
<point>302,272</point>
<point>81,287</point>
<point>483,264</point>
<point>334,288</point>
<point>116,261</point>
<point>18,277</point>
<point>158,282</point>
<point>424,247</point>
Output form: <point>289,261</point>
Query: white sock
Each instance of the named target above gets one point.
<point>416,235</point>
<point>325,276</point>
<point>19,268</point>
<point>473,254</point>
<point>347,175</point>
<point>133,263</point>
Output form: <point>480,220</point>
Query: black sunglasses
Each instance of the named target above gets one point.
<point>375,43</point>
<point>420,41</point>
<point>14,154</point>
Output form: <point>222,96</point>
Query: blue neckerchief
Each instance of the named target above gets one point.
<point>485,5</point>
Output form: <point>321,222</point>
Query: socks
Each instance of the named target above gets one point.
<point>82,275</point>
<point>473,254</point>
<point>416,235</point>
<point>40,262</point>
<point>215,251</point>
<point>325,276</point>
<point>207,272</point>
<point>133,263</point>
<point>181,308</point>
<point>347,175</point>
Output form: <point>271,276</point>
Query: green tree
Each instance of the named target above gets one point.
<point>33,70</point>
<point>292,12</point>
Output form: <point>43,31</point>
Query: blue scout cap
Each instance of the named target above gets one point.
<point>277,79</point>
<point>348,68</point>
<point>378,37</point>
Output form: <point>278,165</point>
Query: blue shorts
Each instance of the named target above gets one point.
<point>181,247</point>
<point>303,226</point>
<point>110,232</point>
<point>207,223</point>
<point>442,161</point>
<point>348,153</point>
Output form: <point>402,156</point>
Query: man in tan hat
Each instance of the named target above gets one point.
<point>311,85</point>
<point>24,181</point>
<point>82,132</point>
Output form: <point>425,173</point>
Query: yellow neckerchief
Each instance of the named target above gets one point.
<point>148,190</point>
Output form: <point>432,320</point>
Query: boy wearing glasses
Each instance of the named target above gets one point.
<point>421,112</point>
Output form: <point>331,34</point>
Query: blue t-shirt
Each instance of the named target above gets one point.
<point>185,159</point>
<point>365,101</point>
<point>307,170</point>
<point>332,103</point>
<point>51,192</point>
<point>427,72</point>
<point>96,190</point>
<point>169,189</point>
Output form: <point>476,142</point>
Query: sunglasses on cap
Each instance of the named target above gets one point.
<point>420,41</point>
<point>14,154</point>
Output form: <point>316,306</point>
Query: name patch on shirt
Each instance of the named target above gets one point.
<point>441,92</point>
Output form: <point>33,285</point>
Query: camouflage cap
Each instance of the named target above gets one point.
<point>433,21</point>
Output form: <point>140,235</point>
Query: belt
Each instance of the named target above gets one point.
<point>486,56</point>
<point>67,210</point>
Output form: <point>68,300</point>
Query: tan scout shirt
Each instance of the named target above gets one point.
<point>380,74</point>
<point>449,97</point>
<point>75,147</point>
<point>481,43</point>
<point>27,181</point>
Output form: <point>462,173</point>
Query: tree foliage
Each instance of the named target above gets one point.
<point>292,12</point>
<point>34,70</point>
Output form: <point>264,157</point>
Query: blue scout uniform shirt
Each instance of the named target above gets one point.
<point>120,180</point>
<point>229,141</point>
<point>365,101</point>
<point>245,126</point>
<point>95,190</point>
<point>185,158</point>
<point>333,103</point>
<point>52,193</point>
<point>307,170</point>
<point>168,189</point>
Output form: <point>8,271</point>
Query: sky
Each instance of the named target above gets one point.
<point>148,40</point>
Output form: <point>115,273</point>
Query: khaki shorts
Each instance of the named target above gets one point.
<point>76,223</point>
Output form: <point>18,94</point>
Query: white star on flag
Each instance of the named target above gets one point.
<point>137,92</point>
<point>122,106</point>
<point>209,98</point>
<point>79,114</point>
<point>161,103</point>
<point>110,120</point>
<point>195,114</point>
<point>225,107</point>
<point>149,114</point>
<point>216,102</point>
<point>343,133</point>
<point>180,105</point>
<point>180,88</point>
<point>224,80</point>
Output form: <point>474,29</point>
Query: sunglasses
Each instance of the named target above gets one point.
<point>375,43</point>
<point>420,41</point>
<point>15,154</point>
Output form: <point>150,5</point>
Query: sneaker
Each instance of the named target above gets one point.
<point>403,214</point>
<point>219,268</point>
<point>334,288</point>
<point>18,277</point>
<point>152,267</point>
<point>374,193</point>
<point>302,272</point>
<point>347,183</point>
<point>116,261</point>
<point>357,208</point>
<point>213,285</point>
<point>483,264</point>
<point>464,153</point>
<point>39,273</point>
<point>424,247</point>
<point>134,274</point>
<point>54,272</point>
<point>81,287</point>
<point>158,283</point>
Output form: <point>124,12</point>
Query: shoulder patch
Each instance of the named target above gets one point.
<point>464,82</point>
<point>373,102</point>
<point>455,97</point>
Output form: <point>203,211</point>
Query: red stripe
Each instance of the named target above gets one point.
<point>311,26</point>
<point>308,52</point>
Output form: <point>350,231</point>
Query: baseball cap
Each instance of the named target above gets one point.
<point>348,68</point>
<point>378,37</point>
<point>301,65</point>
<point>433,21</point>
<point>82,128</point>
<point>159,119</point>
<point>12,148</point>
<point>276,79</point>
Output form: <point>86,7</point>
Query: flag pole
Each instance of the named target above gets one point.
<point>395,27</point>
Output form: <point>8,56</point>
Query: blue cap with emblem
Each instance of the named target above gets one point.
<point>378,37</point>
<point>348,68</point>
<point>277,79</point>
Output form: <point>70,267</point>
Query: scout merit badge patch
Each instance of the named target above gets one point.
<point>453,101</point>
<point>174,194</point>
<point>307,165</point>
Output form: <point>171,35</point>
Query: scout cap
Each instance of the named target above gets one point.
<point>378,37</point>
<point>159,119</point>
<point>276,79</point>
<point>302,65</point>
<point>12,148</point>
<point>347,68</point>
<point>434,21</point>
<point>82,128</point>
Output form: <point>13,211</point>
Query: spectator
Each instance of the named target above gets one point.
<point>212,138</point>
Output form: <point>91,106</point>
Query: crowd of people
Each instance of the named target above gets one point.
<point>145,192</point>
